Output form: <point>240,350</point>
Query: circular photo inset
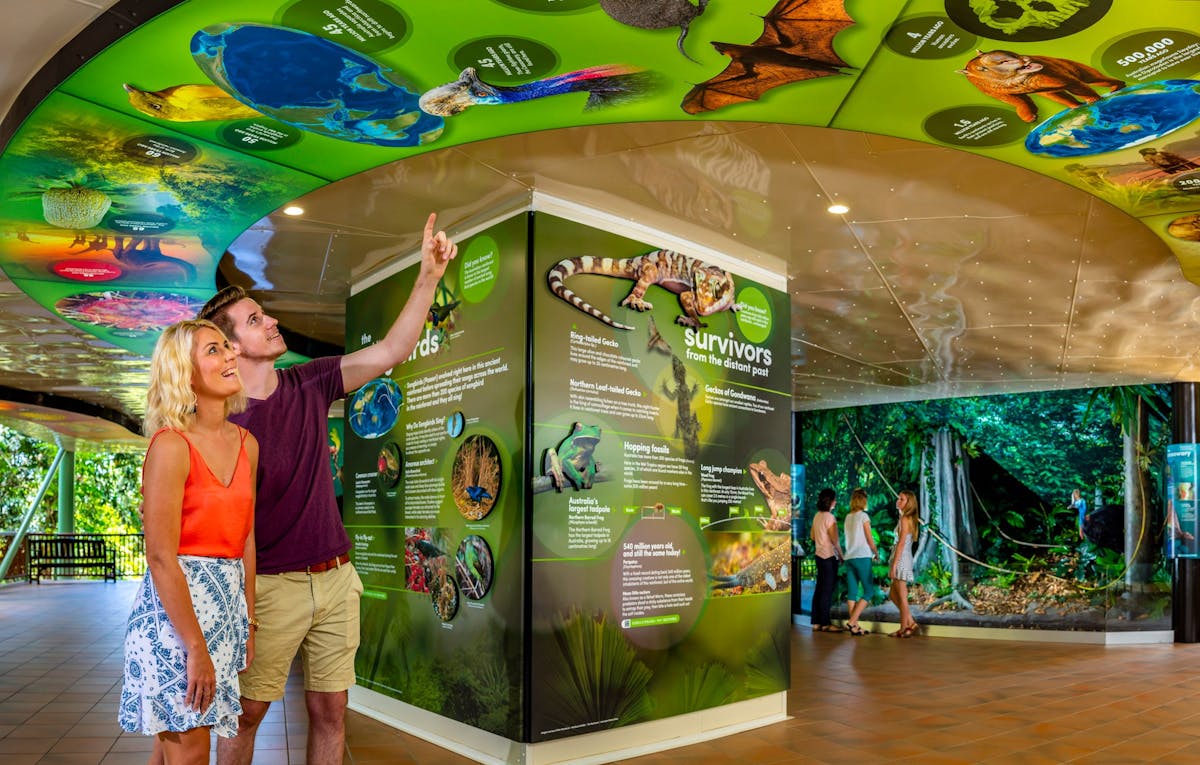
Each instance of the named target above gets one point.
<point>474,566</point>
<point>444,592</point>
<point>389,465</point>
<point>455,424</point>
<point>375,407</point>
<point>475,477</point>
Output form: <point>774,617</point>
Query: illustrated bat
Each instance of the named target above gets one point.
<point>796,44</point>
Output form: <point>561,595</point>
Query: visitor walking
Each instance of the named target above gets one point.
<point>860,554</point>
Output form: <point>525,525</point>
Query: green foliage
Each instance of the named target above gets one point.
<point>481,691</point>
<point>768,665</point>
<point>1003,579</point>
<point>21,472</point>
<point>1041,438</point>
<point>1099,564</point>
<point>595,674</point>
<point>937,578</point>
<point>1123,404</point>
<point>107,487</point>
<point>427,684</point>
<point>709,685</point>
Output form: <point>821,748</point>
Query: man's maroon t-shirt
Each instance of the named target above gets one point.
<point>296,518</point>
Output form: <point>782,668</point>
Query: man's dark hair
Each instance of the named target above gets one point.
<point>216,309</point>
<point>825,500</point>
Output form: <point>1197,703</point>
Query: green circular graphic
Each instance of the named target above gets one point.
<point>1160,54</point>
<point>505,60</point>
<point>754,317</point>
<point>975,126</point>
<point>478,268</point>
<point>929,37</point>
<point>548,6</point>
<point>259,135</point>
<point>1026,21</point>
<point>1188,183</point>
<point>159,150</point>
<point>368,26</point>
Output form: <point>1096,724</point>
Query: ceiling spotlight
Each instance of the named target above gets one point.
<point>293,210</point>
<point>837,209</point>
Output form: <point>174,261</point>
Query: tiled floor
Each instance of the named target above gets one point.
<point>864,700</point>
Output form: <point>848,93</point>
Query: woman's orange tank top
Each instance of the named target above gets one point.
<point>215,518</point>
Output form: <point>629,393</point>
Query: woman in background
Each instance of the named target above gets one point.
<point>190,630</point>
<point>828,552</point>
<point>860,554</point>
<point>901,566</point>
<point>1079,505</point>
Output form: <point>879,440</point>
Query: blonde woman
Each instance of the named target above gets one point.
<point>189,633</point>
<point>860,554</point>
<point>901,565</point>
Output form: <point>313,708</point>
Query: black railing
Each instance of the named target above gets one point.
<point>130,551</point>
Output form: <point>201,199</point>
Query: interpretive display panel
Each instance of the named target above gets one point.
<point>433,494</point>
<point>1183,522</point>
<point>661,486</point>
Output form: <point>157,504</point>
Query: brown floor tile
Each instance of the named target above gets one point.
<point>72,758</point>
<point>71,745</point>
<point>955,701</point>
<point>10,745</point>
<point>128,743</point>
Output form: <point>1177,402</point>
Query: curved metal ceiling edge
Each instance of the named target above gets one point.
<point>66,404</point>
<point>110,26</point>
<point>877,88</point>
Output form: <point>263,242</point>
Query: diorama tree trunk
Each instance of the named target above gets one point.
<point>1140,526</point>
<point>949,504</point>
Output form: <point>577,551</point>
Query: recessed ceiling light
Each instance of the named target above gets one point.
<point>293,210</point>
<point>838,209</point>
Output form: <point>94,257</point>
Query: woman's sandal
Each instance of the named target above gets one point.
<point>909,631</point>
<point>858,631</point>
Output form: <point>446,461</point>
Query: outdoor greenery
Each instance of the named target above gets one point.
<point>106,487</point>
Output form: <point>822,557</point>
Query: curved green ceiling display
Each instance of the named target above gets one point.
<point>127,183</point>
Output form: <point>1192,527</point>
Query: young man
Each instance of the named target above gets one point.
<point>307,593</point>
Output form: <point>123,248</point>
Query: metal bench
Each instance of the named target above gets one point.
<point>82,556</point>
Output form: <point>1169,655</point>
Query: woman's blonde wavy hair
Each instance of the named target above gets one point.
<point>170,400</point>
<point>858,500</point>
<point>911,508</point>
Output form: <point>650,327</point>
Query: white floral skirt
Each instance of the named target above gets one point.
<point>152,698</point>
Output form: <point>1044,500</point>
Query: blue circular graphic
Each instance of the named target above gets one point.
<point>375,407</point>
<point>1127,117</point>
<point>313,84</point>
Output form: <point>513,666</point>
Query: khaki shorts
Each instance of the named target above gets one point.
<point>313,614</point>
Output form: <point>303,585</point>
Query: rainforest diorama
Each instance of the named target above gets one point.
<point>1003,540</point>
